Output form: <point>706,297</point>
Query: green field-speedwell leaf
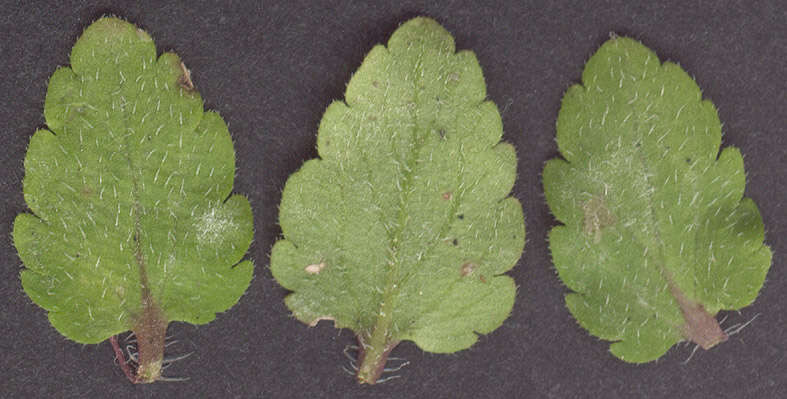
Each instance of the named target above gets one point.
<point>402,228</point>
<point>132,222</point>
<point>657,236</point>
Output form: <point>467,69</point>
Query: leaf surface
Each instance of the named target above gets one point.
<point>657,236</point>
<point>132,222</point>
<point>402,228</point>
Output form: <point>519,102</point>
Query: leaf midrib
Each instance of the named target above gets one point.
<point>132,153</point>
<point>658,242</point>
<point>394,281</point>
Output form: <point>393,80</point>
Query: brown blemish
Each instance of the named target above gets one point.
<point>86,191</point>
<point>597,217</point>
<point>447,195</point>
<point>467,268</point>
<point>482,278</point>
<point>184,80</point>
<point>701,327</point>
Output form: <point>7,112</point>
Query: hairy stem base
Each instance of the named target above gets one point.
<point>150,331</point>
<point>373,356</point>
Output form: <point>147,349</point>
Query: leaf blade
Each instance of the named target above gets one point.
<point>133,225</point>
<point>643,193</point>
<point>405,215</point>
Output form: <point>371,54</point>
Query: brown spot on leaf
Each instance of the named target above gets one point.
<point>447,195</point>
<point>87,191</point>
<point>597,217</point>
<point>184,80</point>
<point>701,327</point>
<point>467,268</point>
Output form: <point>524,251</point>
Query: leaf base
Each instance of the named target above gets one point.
<point>150,333</point>
<point>373,359</point>
<point>701,327</point>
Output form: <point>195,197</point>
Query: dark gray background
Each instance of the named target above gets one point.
<point>270,68</point>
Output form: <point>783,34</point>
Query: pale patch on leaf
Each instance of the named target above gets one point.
<point>412,181</point>
<point>315,268</point>
<point>657,236</point>
<point>214,224</point>
<point>130,227</point>
<point>597,216</point>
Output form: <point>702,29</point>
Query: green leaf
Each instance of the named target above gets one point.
<point>657,237</point>
<point>133,225</point>
<point>402,228</point>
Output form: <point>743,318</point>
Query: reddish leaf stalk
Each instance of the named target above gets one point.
<point>121,359</point>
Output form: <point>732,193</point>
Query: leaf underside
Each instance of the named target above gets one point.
<point>129,188</point>
<point>404,222</point>
<point>657,236</point>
